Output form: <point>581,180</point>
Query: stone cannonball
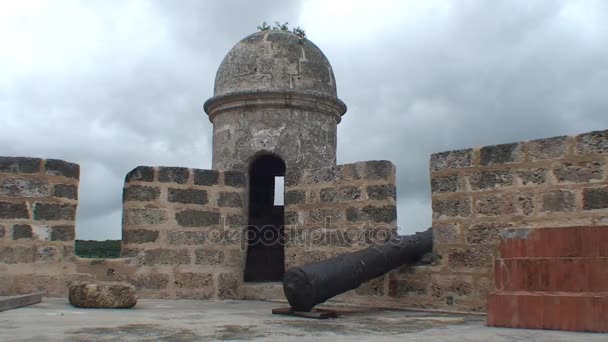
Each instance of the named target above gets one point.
<point>275,60</point>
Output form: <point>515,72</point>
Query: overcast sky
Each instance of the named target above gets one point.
<point>112,85</point>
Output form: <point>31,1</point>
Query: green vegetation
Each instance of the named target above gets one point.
<point>98,249</point>
<point>298,31</point>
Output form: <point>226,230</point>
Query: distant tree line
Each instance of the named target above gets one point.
<point>97,249</point>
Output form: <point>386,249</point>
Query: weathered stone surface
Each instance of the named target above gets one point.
<point>22,231</point>
<point>16,255</point>
<point>188,196</point>
<point>452,207</point>
<point>63,233</point>
<point>523,203</point>
<point>558,201</point>
<point>494,205</point>
<point>230,200</point>
<point>197,218</point>
<point>228,286</point>
<point>144,216</point>
<point>579,172</point>
<point>187,238</point>
<point>139,236</point>
<point>440,184</point>
<point>592,143</point>
<point>295,197</point>
<point>459,286</point>
<point>191,280</point>
<point>532,176</point>
<point>446,233</point>
<point>379,169</point>
<point>150,281</point>
<point>19,165</point>
<point>596,198</point>
<point>140,193</point>
<point>115,295</point>
<point>486,180</point>
<point>293,177</point>
<point>451,160</point>
<point>327,195</point>
<point>58,167</point>
<point>54,211</point>
<point>545,149</point>
<point>235,220</point>
<point>11,210</point>
<point>208,256</point>
<point>15,187</point>
<point>324,216</point>
<point>472,257</point>
<point>374,287</point>
<point>173,175</point>
<point>235,179</point>
<point>323,175</point>
<point>353,193</point>
<point>501,154</point>
<point>485,232</point>
<point>206,177</point>
<point>379,214</point>
<point>2,231</point>
<point>48,254</point>
<point>65,191</point>
<point>161,256</point>
<point>140,174</point>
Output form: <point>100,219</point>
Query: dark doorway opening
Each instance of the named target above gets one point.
<point>265,239</point>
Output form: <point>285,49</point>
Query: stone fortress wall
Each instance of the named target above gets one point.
<point>183,229</point>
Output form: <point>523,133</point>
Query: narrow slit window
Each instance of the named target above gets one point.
<point>279,190</point>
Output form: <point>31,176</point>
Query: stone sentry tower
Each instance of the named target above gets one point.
<point>274,110</point>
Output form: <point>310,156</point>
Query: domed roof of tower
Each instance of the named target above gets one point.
<point>275,60</point>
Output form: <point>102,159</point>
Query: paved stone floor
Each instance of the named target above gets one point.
<point>187,320</point>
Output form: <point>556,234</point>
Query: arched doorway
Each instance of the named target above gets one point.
<point>265,251</point>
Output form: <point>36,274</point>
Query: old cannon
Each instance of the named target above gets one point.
<point>308,285</point>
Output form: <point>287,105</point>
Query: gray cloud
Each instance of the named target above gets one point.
<point>123,84</point>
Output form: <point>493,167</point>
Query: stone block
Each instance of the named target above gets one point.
<point>113,295</point>
<point>328,195</point>
<point>230,200</point>
<point>494,205</point>
<point>558,201</point>
<point>16,255</point>
<point>63,233</point>
<point>451,207</point>
<point>293,178</point>
<point>188,196</point>
<point>441,184</point>
<point>208,257</point>
<point>378,169</point>
<point>411,285</point>
<point>206,177</point>
<point>192,280</point>
<point>582,172</point>
<point>140,174</point>
<point>140,193</point>
<point>446,233</point>
<point>161,256</point>
<point>480,256</point>
<point>197,218</point>
<point>236,220</point>
<point>14,210</point>
<point>485,232</point>
<point>15,187</point>
<point>523,203</point>
<point>324,175</point>
<point>235,179</point>
<point>54,211</point>
<point>295,197</point>
<point>228,286</point>
<point>595,198</point>
<point>324,216</point>
<point>494,179</point>
<point>452,160</point>
<point>144,216</point>
<point>379,214</point>
<point>65,191</point>
<point>352,193</point>
<point>291,217</point>
<point>48,254</point>
<point>22,231</point>
<point>2,231</point>
<point>354,171</point>
<point>56,167</point>
<point>592,143</point>
<point>177,175</point>
<point>187,238</point>
<point>455,286</point>
<point>533,176</point>
<point>150,281</point>
<point>19,165</point>
<point>381,192</point>
<point>374,287</point>
<point>501,154</point>
<point>547,149</point>
<point>139,236</point>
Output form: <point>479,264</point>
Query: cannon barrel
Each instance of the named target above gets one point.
<point>308,285</point>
